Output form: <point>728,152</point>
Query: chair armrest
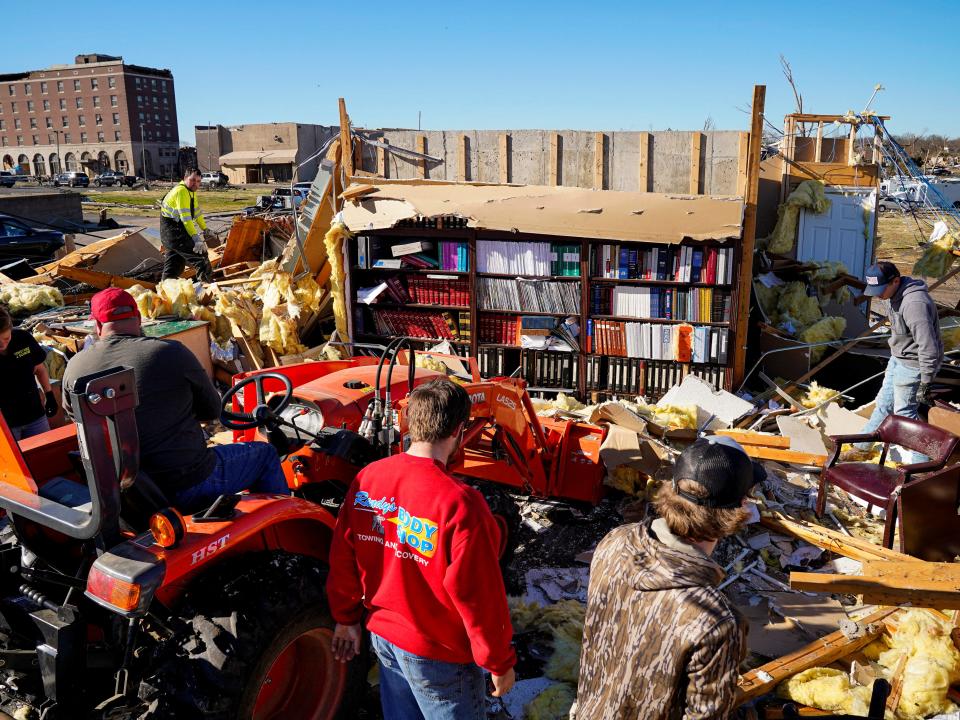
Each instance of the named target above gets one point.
<point>910,470</point>
<point>841,440</point>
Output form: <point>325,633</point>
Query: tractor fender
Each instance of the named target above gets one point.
<point>260,523</point>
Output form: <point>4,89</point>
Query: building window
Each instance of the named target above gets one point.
<point>59,85</point>
<point>100,136</point>
<point>156,117</point>
<point>79,102</point>
<point>156,100</point>
<point>30,106</point>
<point>51,138</point>
<point>16,123</point>
<point>83,137</point>
<point>36,139</point>
<point>49,123</point>
<point>139,99</point>
<point>65,121</point>
<point>33,123</point>
<point>111,81</point>
<point>94,83</point>
<point>116,135</point>
<point>96,101</point>
<point>3,124</point>
<point>76,85</point>
<point>137,81</point>
<point>12,89</point>
<point>164,85</point>
<point>82,120</point>
<point>13,106</point>
<point>5,142</point>
<point>46,104</point>
<point>153,81</point>
<point>19,139</point>
<point>99,119</point>
<point>141,116</point>
<point>43,88</point>
<point>116,118</point>
<point>27,89</point>
<point>63,104</point>
<point>66,137</point>
<point>113,100</point>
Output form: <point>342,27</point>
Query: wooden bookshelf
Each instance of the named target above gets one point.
<point>508,357</point>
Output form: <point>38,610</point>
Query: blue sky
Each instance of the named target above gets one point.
<point>500,65</point>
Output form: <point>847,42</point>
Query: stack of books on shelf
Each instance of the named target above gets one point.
<point>554,370</point>
<point>673,263</point>
<point>416,323</point>
<point>700,304</point>
<point>438,290</point>
<point>498,329</point>
<point>497,362</point>
<point>647,378</point>
<point>454,256</point>
<point>655,341</point>
<point>528,258</point>
<point>523,295</point>
<point>565,260</point>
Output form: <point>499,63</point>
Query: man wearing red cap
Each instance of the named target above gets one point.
<point>174,394</point>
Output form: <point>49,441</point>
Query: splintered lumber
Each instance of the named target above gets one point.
<point>244,241</point>
<point>754,438</point>
<point>884,582</point>
<point>100,280</point>
<point>824,651</point>
<point>785,456</point>
<point>355,191</point>
<point>822,537</point>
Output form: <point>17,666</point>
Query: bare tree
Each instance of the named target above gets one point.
<point>797,95</point>
<point>709,124</point>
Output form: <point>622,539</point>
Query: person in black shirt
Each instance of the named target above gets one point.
<point>21,368</point>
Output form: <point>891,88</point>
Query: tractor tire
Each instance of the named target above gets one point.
<point>258,648</point>
<point>507,516</point>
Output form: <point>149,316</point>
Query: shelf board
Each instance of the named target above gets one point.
<point>524,312</point>
<point>677,362</point>
<point>507,276</point>
<point>669,283</point>
<point>627,318</point>
<point>418,306</point>
<point>415,339</point>
<point>413,271</point>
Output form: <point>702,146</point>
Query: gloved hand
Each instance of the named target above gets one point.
<point>199,246</point>
<point>209,235</point>
<point>50,405</point>
<point>923,394</point>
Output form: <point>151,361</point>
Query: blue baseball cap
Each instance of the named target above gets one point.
<point>878,277</point>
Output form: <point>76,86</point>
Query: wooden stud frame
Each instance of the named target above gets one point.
<point>645,164</point>
<point>599,178</point>
<point>462,159</point>
<point>503,156</point>
<point>696,149</point>
<point>422,149</point>
<point>554,159</point>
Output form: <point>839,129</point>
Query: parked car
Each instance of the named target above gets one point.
<point>213,179</point>
<point>19,240</point>
<point>109,178</point>
<point>72,179</point>
<point>7,178</point>
<point>305,186</point>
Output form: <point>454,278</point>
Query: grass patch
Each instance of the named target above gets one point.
<point>211,201</point>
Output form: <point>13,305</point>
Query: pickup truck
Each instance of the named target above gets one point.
<point>109,178</point>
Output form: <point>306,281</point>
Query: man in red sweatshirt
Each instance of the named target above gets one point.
<point>418,549</point>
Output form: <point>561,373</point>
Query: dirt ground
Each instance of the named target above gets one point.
<point>145,201</point>
<point>899,238</point>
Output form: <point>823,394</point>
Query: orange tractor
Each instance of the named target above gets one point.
<point>113,605</point>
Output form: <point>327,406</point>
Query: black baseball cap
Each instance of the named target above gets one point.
<point>878,277</point>
<point>722,467</point>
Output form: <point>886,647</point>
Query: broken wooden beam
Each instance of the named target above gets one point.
<point>745,437</point>
<point>822,537</point>
<point>885,582</point>
<point>785,456</point>
<point>100,280</point>
<point>824,651</point>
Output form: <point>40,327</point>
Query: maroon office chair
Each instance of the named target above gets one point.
<point>880,485</point>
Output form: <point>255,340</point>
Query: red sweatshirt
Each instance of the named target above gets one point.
<point>418,548</point>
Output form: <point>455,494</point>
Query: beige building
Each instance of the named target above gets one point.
<point>268,152</point>
<point>97,114</point>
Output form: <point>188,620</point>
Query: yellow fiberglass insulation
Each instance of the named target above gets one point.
<point>333,241</point>
<point>279,332</point>
<point>627,479</point>
<point>56,362</point>
<point>828,328</point>
<point>563,622</point>
<point>809,194</point>
<point>278,287</point>
<point>795,306</point>
<point>672,417</point>
<point>768,298</point>
<point>937,257</point>
<point>150,303</point>
<point>179,294</point>
<point>567,402</point>
<point>817,395</point>
<point>430,363</point>
<point>21,298</point>
<point>564,664</point>
<point>554,703</point>
<point>826,689</point>
<point>229,305</point>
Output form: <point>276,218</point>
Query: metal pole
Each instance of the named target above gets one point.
<point>143,155</point>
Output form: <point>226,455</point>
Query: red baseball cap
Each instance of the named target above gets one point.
<point>113,304</point>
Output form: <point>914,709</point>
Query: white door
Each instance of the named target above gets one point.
<point>844,233</point>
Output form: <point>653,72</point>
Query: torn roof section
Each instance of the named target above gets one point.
<point>543,210</point>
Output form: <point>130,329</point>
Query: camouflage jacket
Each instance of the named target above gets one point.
<point>660,641</point>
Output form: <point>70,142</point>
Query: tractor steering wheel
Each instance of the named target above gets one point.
<point>263,413</point>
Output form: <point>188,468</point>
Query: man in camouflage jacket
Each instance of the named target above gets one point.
<point>660,640</point>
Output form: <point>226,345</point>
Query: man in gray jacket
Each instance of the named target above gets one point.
<point>916,349</point>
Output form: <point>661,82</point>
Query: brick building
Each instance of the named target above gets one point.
<point>96,114</point>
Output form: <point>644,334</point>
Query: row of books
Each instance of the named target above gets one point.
<point>387,254</point>
<point>554,370</point>
<point>429,290</point>
<point>422,324</point>
<point>529,295</point>
<point>454,255</point>
<point>675,263</point>
<point>655,341</point>
<point>528,258</point>
<point>701,304</point>
<point>647,378</point>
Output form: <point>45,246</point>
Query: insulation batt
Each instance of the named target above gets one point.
<point>809,194</point>
<point>951,337</point>
<point>672,417</point>
<point>817,395</point>
<point>333,241</point>
<point>826,689</point>
<point>22,299</point>
<point>795,305</point>
<point>151,305</point>
<point>937,257</point>
<point>554,703</point>
<point>179,294</point>
<point>825,329</point>
<point>627,479</point>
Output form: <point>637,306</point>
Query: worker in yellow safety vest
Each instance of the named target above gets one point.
<point>183,229</point>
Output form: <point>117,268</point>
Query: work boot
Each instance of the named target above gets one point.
<point>855,454</point>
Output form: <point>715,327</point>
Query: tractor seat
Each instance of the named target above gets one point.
<point>67,492</point>
<point>869,481</point>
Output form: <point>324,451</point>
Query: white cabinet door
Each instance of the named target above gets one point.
<point>844,233</point>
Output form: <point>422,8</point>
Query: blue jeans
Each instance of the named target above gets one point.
<point>413,687</point>
<point>22,432</point>
<point>897,396</point>
<point>252,466</point>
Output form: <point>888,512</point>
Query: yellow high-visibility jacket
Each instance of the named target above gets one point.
<point>181,204</point>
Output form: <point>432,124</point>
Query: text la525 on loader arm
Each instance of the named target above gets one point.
<point>219,615</point>
<point>329,419</point>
